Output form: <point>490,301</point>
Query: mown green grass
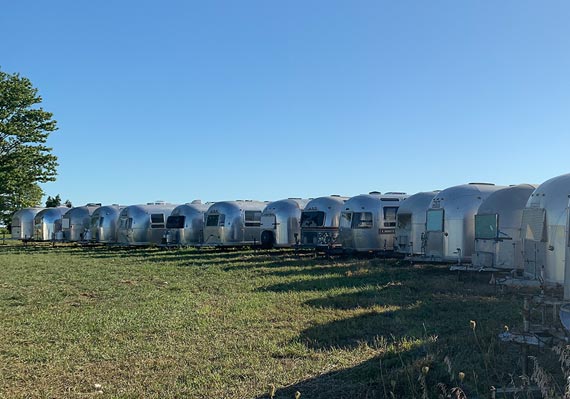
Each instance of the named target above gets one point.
<point>198,324</point>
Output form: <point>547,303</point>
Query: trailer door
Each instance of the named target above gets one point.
<point>434,233</point>
<point>533,229</point>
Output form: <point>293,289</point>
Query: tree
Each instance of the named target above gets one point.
<point>25,160</point>
<point>53,202</point>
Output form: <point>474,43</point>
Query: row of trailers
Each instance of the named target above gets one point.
<point>521,227</point>
<point>325,222</point>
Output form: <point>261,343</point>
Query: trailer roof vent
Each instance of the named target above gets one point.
<point>335,195</point>
<point>395,193</point>
<point>158,202</point>
<point>196,202</point>
<point>374,193</point>
<point>483,184</point>
<point>93,204</point>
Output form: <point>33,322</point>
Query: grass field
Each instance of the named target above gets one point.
<point>95,322</point>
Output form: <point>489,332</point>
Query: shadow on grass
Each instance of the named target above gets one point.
<point>414,319</point>
<point>409,324</point>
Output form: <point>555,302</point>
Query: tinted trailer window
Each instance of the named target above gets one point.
<point>157,221</point>
<point>175,222</point>
<point>252,218</point>
<point>215,220</point>
<point>434,220</point>
<point>487,226</point>
<point>362,220</point>
<point>312,219</point>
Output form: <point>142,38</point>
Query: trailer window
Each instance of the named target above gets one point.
<point>362,220</point>
<point>487,226</point>
<point>390,213</point>
<point>126,223</point>
<point>434,220</point>
<point>312,219</point>
<point>212,220</point>
<point>175,222</point>
<point>215,220</point>
<point>157,221</point>
<point>65,223</point>
<point>96,222</point>
<point>252,218</point>
<point>346,219</point>
<point>404,221</point>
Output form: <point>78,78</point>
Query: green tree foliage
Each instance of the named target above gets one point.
<point>25,160</point>
<point>53,202</point>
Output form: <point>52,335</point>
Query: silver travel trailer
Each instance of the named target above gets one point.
<point>498,228</point>
<point>411,223</point>
<point>544,232</point>
<point>450,221</point>
<point>233,223</point>
<point>104,224</point>
<point>47,224</point>
<point>281,223</point>
<point>141,225</point>
<point>320,221</point>
<point>23,223</point>
<point>368,222</point>
<point>76,222</point>
<point>185,225</point>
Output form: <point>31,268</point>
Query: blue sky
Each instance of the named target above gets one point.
<point>220,100</point>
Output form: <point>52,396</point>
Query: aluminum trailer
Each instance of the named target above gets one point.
<point>47,224</point>
<point>281,223</point>
<point>320,222</point>
<point>23,223</point>
<point>104,224</point>
<point>76,222</point>
<point>185,225</point>
<point>450,222</point>
<point>233,223</point>
<point>411,223</point>
<point>498,228</point>
<point>145,224</point>
<point>544,233</point>
<point>368,222</point>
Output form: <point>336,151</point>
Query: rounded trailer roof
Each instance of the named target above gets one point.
<point>372,201</point>
<point>108,209</point>
<point>459,200</point>
<point>552,195</point>
<point>240,205</point>
<point>507,199</point>
<point>81,211</point>
<point>27,212</point>
<point>287,205</point>
<point>190,209</point>
<point>51,213</point>
<point>326,203</point>
<point>508,203</point>
<point>148,209</point>
<point>418,202</point>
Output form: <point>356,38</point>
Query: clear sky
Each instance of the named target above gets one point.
<point>221,100</point>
